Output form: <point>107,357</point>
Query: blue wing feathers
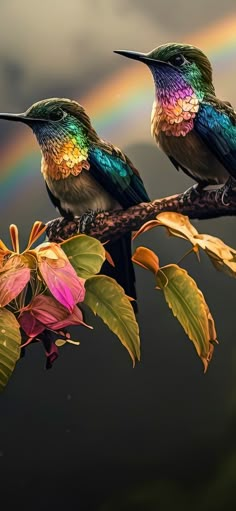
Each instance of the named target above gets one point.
<point>117,176</point>
<point>218,131</point>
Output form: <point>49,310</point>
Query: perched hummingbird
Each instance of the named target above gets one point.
<point>82,172</point>
<point>195,129</point>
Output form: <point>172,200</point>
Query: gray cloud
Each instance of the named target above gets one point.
<point>66,42</point>
<point>51,47</point>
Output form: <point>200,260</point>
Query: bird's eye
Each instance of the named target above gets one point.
<point>57,115</point>
<point>178,60</point>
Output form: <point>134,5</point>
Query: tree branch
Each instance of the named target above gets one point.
<point>106,225</point>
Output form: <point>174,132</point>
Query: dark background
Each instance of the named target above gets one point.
<point>93,433</point>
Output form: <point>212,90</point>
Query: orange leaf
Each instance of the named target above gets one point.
<point>14,238</point>
<point>147,259</point>
<point>146,227</point>
<point>37,230</point>
<point>109,258</point>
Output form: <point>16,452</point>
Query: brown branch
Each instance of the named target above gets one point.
<point>106,225</point>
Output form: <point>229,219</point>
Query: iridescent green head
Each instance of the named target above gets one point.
<point>177,64</point>
<point>63,130</point>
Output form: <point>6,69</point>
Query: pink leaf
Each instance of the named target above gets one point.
<point>63,283</point>
<point>12,282</point>
<point>52,314</point>
<point>31,326</point>
<point>75,318</point>
<point>47,310</point>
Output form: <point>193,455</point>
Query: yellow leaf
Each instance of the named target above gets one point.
<point>215,247</point>
<point>221,255</point>
<point>177,225</point>
<point>190,308</point>
<point>108,300</point>
<point>146,258</point>
<point>50,251</point>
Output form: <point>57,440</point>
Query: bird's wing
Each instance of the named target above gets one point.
<point>215,123</point>
<point>56,202</point>
<point>116,173</point>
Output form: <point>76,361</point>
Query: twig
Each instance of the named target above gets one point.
<point>107,225</point>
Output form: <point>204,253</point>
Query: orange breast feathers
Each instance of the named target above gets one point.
<point>64,160</point>
<point>174,119</point>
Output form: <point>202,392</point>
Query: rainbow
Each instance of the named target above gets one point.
<point>119,107</point>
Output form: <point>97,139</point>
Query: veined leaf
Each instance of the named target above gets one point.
<point>63,282</point>
<point>14,276</point>
<point>221,255</point>
<point>108,300</point>
<point>10,340</point>
<point>45,312</point>
<point>146,258</point>
<point>86,254</point>
<point>177,225</point>
<point>190,308</point>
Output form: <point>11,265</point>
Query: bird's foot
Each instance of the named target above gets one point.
<point>191,194</point>
<point>220,193</point>
<point>85,220</point>
<point>88,219</point>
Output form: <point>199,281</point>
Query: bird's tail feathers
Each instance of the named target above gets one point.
<point>123,271</point>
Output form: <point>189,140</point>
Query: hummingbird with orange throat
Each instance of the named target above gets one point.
<point>84,173</point>
<point>195,129</point>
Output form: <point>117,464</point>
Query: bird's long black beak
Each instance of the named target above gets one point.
<point>141,57</point>
<point>19,118</point>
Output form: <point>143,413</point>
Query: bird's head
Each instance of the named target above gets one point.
<point>176,66</point>
<point>62,127</point>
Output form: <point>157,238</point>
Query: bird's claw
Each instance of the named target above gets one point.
<point>85,220</point>
<point>224,191</point>
<point>191,194</point>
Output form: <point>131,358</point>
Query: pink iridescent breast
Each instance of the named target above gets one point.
<point>173,112</point>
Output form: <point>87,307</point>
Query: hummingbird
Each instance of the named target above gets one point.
<point>195,129</point>
<point>84,173</point>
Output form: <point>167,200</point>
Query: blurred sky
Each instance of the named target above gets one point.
<point>92,427</point>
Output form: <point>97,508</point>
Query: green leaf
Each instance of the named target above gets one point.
<point>108,300</point>
<point>86,254</point>
<point>62,342</point>
<point>10,340</point>
<point>188,305</point>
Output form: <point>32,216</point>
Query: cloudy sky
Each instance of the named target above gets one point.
<point>55,45</point>
<point>93,422</point>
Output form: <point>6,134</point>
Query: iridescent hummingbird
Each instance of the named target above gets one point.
<point>195,129</point>
<point>82,172</point>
